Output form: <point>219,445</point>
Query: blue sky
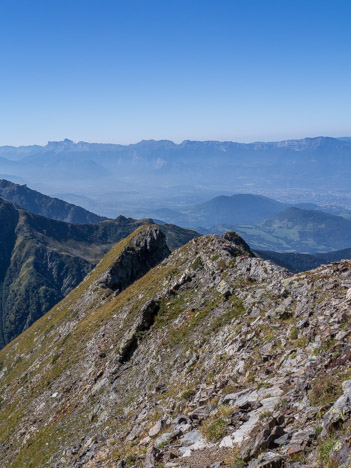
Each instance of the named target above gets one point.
<point>121,71</point>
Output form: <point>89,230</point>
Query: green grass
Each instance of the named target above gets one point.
<point>324,449</point>
<point>293,333</point>
<point>325,389</point>
<point>214,430</point>
<point>35,344</point>
<point>188,394</point>
<point>197,264</point>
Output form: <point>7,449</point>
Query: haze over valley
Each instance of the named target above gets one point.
<point>139,179</point>
<point>289,196</point>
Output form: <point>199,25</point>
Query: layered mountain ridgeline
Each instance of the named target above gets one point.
<point>44,259</point>
<point>297,263</point>
<point>212,358</point>
<point>234,210</point>
<point>268,224</point>
<point>44,205</point>
<point>264,222</point>
<point>224,210</point>
<point>310,162</point>
<point>307,231</point>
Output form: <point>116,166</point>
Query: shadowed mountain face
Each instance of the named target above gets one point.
<point>214,357</point>
<point>43,259</point>
<point>46,206</point>
<point>146,249</point>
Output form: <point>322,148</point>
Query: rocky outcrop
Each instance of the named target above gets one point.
<point>143,323</point>
<point>238,242</point>
<point>42,260</point>
<point>213,358</point>
<point>146,250</point>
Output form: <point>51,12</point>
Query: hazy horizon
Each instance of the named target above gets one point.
<point>177,142</point>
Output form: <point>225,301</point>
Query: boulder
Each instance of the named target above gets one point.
<point>268,460</point>
<point>263,437</point>
<point>156,429</point>
<point>340,411</point>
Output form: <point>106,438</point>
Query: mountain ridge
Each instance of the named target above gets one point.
<point>314,141</point>
<point>44,205</point>
<point>43,259</point>
<point>214,356</point>
<point>289,164</point>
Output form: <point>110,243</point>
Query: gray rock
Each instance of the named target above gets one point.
<point>190,438</point>
<point>156,429</point>
<point>300,440</point>
<point>224,289</point>
<point>151,458</point>
<point>263,437</point>
<point>242,399</point>
<point>147,249</point>
<point>144,321</point>
<point>268,460</point>
<point>340,411</point>
<point>168,436</point>
<point>340,453</point>
<point>181,419</point>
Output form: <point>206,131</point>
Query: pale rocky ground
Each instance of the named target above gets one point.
<point>213,358</point>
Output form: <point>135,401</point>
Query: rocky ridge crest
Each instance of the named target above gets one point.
<point>42,260</point>
<point>212,358</point>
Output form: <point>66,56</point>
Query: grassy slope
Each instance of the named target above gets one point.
<point>58,342</point>
<point>35,343</point>
<point>65,352</point>
<point>44,259</point>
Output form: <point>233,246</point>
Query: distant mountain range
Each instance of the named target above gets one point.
<point>42,259</point>
<point>149,166</point>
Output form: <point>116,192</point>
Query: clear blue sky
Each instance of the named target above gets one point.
<point>122,71</point>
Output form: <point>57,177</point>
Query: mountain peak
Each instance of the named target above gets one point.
<point>238,242</point>
<point>200,361</point>
<point>140,252</point>
<point>60,145</point>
